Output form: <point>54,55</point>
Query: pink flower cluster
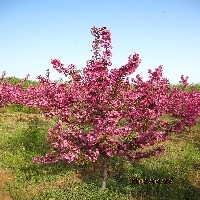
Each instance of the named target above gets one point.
<point>103,115</point>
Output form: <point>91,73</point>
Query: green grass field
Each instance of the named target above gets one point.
<point>22,137</point>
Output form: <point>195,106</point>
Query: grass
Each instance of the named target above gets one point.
<point>22,137</point>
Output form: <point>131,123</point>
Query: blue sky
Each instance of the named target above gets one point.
<point>162,32</point>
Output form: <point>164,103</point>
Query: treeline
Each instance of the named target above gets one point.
<point>27,83</point>
<point>14,80</point>
<point>196,86</point>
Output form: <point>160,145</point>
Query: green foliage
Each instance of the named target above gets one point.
<point>33,138</point>
<point>27,83</point>
<point>28,140</point>
<point>21,108</point>
<point>196,86</point>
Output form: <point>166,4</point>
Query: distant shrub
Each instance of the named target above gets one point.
<point>196,86</point>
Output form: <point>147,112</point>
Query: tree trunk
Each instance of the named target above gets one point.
<point>105,174</point>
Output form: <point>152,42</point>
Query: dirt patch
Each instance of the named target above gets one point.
<point>61,182</point>
<point>6,177</point>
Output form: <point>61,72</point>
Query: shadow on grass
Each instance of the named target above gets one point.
<point>29,143</point>
<point>132,182</point>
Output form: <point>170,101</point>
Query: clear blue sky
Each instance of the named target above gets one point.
<point>163,32</point>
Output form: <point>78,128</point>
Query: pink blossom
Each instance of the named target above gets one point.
<point>103,113</point>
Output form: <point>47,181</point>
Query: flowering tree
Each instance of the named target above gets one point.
<point>100,114</point>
